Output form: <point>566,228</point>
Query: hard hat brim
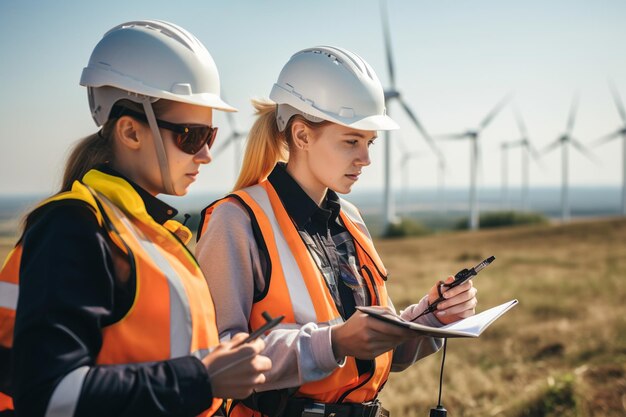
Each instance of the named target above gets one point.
<point>92,77</point>
<point>374,122</point>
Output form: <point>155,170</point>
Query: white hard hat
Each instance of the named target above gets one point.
<point>153,59</point>
<point>331,83</point>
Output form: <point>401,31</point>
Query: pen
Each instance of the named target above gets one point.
<point>459,278</point>
<point>269,323</point>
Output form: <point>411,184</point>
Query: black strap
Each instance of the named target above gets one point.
<point>269,403</point>
<point>305,407</point>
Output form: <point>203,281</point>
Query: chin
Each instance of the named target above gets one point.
<point>181,190</point>
<point>342,190</point>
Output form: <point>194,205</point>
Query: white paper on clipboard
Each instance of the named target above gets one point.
<point>469,327</point>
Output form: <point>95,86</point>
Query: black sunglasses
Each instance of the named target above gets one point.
<point>189,138</point>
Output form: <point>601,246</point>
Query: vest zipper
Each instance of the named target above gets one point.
<point>372,281</point>
<point>383,276</point>
<point>348,392</point>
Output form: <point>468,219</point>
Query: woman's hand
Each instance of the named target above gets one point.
<point>460,302</point>
<point>235,371</point>
<point>365,337</point>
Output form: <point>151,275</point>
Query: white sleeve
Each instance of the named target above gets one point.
<point>229,257</point>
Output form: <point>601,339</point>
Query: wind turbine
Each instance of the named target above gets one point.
<point>564,141</point>
<point>407,156</point>
<point>474,135</point>
<point>615,135</point>
<point>393,94</point>
<point>235,136</point>
<point>504,160</point>
<point>527,150</point>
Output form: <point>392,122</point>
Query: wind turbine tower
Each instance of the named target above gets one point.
<point>474,135</point>
<point>528,150</point>
<point>564,141</point>
<point>393,94</point>
<point>233,139</point>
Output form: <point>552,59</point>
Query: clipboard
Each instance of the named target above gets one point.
<point>469,327</point>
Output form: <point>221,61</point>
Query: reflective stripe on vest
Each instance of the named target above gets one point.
<point>297,284</point>
<point>353,214</point>
<point>172,314</point>
<point>180,316</point>
<point>8,295</point>
<point>303,308</point>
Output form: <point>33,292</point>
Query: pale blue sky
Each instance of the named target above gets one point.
<point>454,60</point>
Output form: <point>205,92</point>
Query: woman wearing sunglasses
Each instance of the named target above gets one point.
<point>285,243</point>
<point>113,316</point>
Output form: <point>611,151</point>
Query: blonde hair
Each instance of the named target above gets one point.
<point>97,149</point>
<point>89,152</point>
<point>266,145</point>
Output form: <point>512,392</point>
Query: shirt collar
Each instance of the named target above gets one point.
<point>157,209</point>
<point>300,207</point>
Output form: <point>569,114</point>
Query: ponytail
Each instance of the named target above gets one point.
<point>88,153</point>
<point>97,149</point>
<point>266,146</point>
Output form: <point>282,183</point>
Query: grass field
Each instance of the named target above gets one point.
<point>560,352</point>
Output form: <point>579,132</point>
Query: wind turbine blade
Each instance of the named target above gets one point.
<point>223,145</point>
<point>400,143</point>
<point>387,38</point>
<point>572,115</point>
<point>533,151</point>
<point>404,159</point>
<point>229,115</point>
<point>419,126</point>
<point>583,149</point>
<point>551,147</point>
<point>520,121</point>
<point>412,155</point>
<point>514,143</point>
<point>490,116</point>
<point>451,136</point>
<point>442,163</point>
<point>618,101</point>
<point>231,121</point>
<point>607,138</point>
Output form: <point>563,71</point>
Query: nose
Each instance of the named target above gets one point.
<point>363,158</point>
<point>203,156</point>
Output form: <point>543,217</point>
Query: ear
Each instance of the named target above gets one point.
<point>128,132</point>
<point>301,135</point>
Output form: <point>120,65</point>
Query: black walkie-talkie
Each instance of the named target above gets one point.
<point>459,278</point>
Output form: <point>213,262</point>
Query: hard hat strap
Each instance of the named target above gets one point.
<point>284,112</point>
<point>166,177</point>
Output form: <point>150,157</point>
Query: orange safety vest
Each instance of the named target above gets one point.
<point>298,290</point>
<point>172,314</point>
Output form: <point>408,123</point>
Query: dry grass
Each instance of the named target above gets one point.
<point>561,352</point>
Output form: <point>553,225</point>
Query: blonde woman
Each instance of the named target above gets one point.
<point>114,317</point>
<point>284,242</point>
